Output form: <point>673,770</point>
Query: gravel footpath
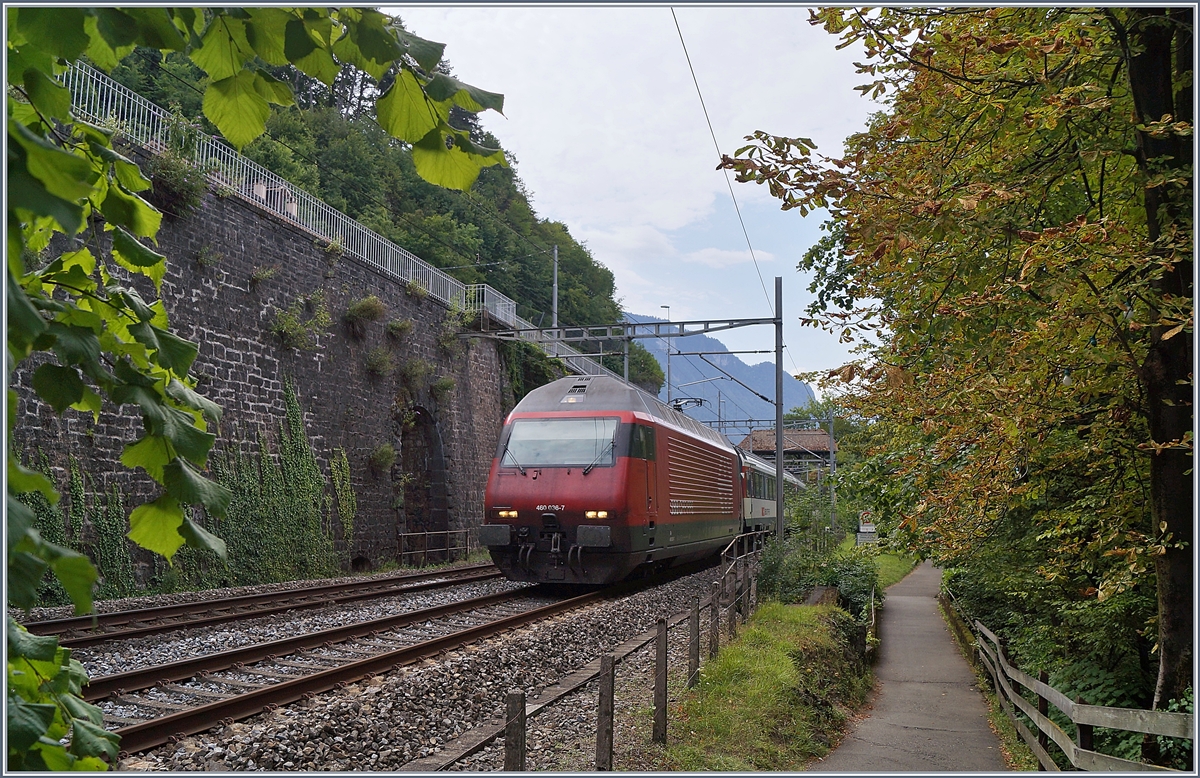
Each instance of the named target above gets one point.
<point>385,721</point>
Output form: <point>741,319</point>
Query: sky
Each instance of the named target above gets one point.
<point>603,118</point>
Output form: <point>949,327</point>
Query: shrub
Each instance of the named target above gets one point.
<point>362,311</point>
<point>296,332</point>
<point>178,185</point>
<point>441,387</point>
<point>415,288</point>
<point>379,362</point>
<point>207,257</point>
<point>399,328</point>
<point>262,273</point>
<point>415,371</point>
<point>382,458</point>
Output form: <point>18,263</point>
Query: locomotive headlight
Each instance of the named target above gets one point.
<point>508,514</point>
<point>596,514</point>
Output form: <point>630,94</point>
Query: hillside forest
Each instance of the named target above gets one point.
<point>330,144</point>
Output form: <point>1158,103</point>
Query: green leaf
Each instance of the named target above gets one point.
<point>427,53</point>
<point>190,488</point>
<point>225,50</point>
<point>128,174</point>
<point>91,402</point>
<point>81,258</point>
<point>198,537</point>
<point>80,709</point>
<point>306,54</point>
<point>88,739</point>
<point>27,722</point>
<point>27,193</point>
<point>404,112</point>
<point>443,87</point>
<point>20,517</point>
<point>50,97</point>
<point>25,571</point>
<point>74,345</point>
<point>100,51</point>
<point>452,168</point>
<point>156,28</point>
<point>22,480</point>
<point>23,318</point>
<point>76,574</point>
<point>59,30</point>
<point>63,174</point>
<point>236,107</point>
<point>59,386</point>
<point>173,352</point>
<point>116,27</point>
<point>182,394</point>
<point>265,33</point>
<point>151,453</point>
<point>155,526</point>
<point>190,442</point>
<point>55,757</point>
<point>124,209</point>
<point>272,89</point>
<point>23,643</point>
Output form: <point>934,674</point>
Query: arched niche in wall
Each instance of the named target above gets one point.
<point>420,486</point>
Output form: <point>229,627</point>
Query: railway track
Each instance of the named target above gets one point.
<point>82,631</point>
<point>157,705</point>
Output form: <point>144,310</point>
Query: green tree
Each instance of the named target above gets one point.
<point>1015,228</point>
<point>89,333</point>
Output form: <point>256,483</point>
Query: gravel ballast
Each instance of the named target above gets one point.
<point>385,721</point>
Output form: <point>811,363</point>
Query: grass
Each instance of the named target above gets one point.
<point>774,698</point>
<point>893,567</point>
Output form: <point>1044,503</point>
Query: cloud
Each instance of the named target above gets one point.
<point>602,114</point>
<point>713,257</point>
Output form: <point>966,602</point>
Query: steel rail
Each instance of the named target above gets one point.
<point>140,737</point>
<point>105,685</point>
<point>226,610</point>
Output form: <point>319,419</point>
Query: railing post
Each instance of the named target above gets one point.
<point>660,685</point>
<point>694,645</point>
<point>604,713</point>
<point>1085,731</point>
<point>514,733</point>
<point>1044,709</point>
<point>714,621</point>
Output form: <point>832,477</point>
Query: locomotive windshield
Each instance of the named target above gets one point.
<point>562,442</point>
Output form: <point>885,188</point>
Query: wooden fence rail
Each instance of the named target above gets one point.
<point>1085,717</point>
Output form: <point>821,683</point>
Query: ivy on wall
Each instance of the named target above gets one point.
<point>92,524</point>
<point>347,503</point>
<point>528,367</point>
<point>278,525</point>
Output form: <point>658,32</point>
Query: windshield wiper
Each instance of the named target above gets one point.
<point>607,447</point>
<point>509,454</point>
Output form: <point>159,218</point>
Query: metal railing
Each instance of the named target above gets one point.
<point>99,99</point>
<point>417,548</point>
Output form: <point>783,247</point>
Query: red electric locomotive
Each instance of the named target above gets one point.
<point>594,478</point>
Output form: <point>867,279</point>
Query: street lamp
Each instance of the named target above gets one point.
<point>668,355</point>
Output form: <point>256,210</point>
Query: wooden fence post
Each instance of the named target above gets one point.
<point>660,685</point>
<point>694,645</point>
<point>714,621</point>
<point>1085,731</point>
<point>514,733</point>
<point>604,716</point>
<point>1044,709</point>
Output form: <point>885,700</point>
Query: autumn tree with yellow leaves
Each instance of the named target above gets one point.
<point>1015,233</point>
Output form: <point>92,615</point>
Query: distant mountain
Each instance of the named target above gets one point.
<point>740,409</point>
